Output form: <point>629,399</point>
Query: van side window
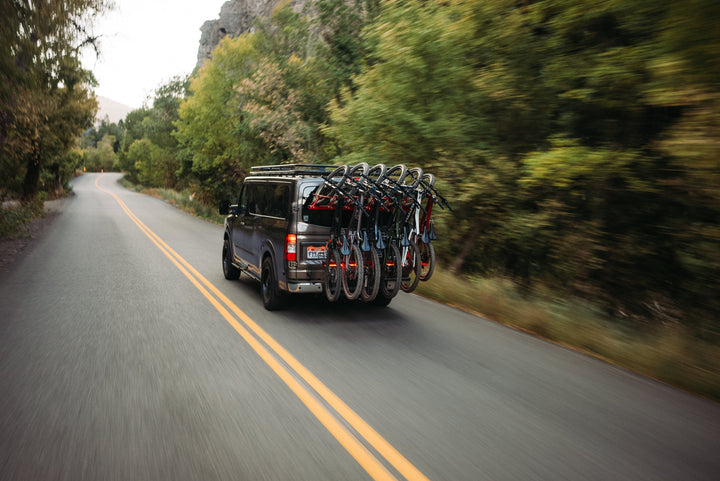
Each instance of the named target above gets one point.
<point>249,199</point>
<point>272,200</point>
<point>243,200</point>
<point>278,200</point>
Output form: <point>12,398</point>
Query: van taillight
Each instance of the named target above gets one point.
<point>291,247</point>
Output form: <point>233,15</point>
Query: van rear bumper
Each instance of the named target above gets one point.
<point>304,287</point>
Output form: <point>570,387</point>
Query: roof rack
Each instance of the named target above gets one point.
<point>292,169</point>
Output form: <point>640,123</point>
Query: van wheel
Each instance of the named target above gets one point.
<point>273,298</point>
<point>230,272</point>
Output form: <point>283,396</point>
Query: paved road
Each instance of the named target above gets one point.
<point>116,364</point>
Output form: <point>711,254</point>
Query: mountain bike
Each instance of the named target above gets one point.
<point>330,196</point>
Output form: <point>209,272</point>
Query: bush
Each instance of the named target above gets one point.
<point>13,216</point>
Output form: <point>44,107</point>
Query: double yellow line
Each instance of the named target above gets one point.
<point>244,324</point>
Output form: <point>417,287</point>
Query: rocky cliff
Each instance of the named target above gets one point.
<point>236,17</point>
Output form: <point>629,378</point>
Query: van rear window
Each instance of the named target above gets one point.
<point>313,216</point>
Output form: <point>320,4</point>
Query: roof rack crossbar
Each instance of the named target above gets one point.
<point>291,169</point>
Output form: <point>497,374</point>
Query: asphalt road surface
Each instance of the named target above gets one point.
<point>125,355</point>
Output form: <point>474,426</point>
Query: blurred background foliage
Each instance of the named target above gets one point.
<point>577,141</point>
<point>46,98</point>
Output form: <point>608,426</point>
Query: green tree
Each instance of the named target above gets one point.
<point>102,157</point>
<point>569,135</point>
<point>429,99</point>
<point>157,125</point>
<point>45,101</point>
<point>155,166</point>
<point>211,132</point>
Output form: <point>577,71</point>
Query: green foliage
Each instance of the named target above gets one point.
<point>155,166</point>
<point>211,132</point>
<point>159,165</point>
<point>93,135</point>
<point>101,157</point>
<point>13,218</point>
<point>45,101</point>
<point>261,99</point>
<point>578,139</point>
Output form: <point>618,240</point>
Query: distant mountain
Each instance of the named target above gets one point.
<point>115,111</point>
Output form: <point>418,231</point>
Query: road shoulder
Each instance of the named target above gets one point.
<point>12,248</point>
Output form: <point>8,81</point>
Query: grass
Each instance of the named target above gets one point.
<point>13,217</point>
<point>183,200</point>
<point>668,352</point>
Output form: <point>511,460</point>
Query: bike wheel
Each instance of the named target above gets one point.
<point>395,174</point>
<point>392,272</point>
<point>358,170</point>
<point>353,273</point>
<point>427,260</point>
<point>376,172</point>
<point>333,273</point>
<point>413,177</point>
<point>341,172</point>
<point>373,273</point>
<point>426,184</point>
<point>410,268</point>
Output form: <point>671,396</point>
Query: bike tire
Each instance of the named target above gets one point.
<point>373,273</point>
<point>413,177</point>
<point>392,272</point>
<point>333,273</point>
<point>427,260</point>
<point>426,183</point>
<point>395,175</point>
<point>376,172</point>
<point>411,269</point>
<point>353,273</point>
<point>341,171</point>
<point>358,170</point>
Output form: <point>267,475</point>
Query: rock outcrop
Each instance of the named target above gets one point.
<point>236,17</point>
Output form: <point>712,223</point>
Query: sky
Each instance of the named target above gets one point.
<point>144,43</point>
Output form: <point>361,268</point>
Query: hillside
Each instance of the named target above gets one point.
<point>114,111</point>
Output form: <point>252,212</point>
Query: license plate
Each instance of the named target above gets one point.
<point>316,252</point>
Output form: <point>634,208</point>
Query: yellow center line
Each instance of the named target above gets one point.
<point>376,470</point>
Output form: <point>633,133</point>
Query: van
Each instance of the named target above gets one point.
<point>272,236</point>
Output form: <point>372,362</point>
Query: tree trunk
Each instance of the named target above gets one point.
<point>466,248</point>
<point>32,176</point>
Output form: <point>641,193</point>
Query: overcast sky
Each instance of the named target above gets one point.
<point>144,43</point>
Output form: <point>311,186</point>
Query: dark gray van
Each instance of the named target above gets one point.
<point>272,236</point>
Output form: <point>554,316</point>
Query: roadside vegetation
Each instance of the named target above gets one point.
<point>667,351</point>
<point>184,200</point>
<point>577,142</point>
<point>14,215</point>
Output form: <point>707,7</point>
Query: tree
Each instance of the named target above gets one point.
<point>102,157</point>
<point>434,97</point>
<point>45,101</point>
<point>211,132</point>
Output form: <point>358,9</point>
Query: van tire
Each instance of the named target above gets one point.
<point>273,298</point>
<point>230,272</point>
